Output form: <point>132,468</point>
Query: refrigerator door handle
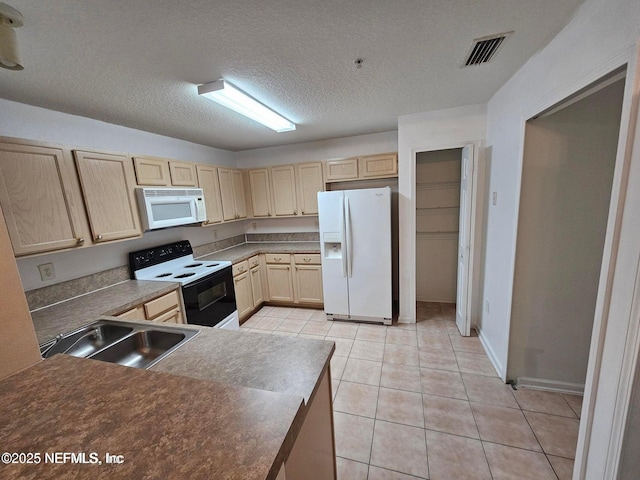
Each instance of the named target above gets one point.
<point>349,238</point>
<point>344,237</point>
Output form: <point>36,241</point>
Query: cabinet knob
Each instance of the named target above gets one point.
<point>306,259</point>
<point>302,212</point>
<point>80,241</point>
<point>295,212</point>
<point>99,237</point>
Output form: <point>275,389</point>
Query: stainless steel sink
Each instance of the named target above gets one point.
<point>133,345</point>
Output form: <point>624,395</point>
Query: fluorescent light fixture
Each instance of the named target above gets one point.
<point>225,94</point>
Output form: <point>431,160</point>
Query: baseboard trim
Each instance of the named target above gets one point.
<point>551,385</point>
<point>493,358</point>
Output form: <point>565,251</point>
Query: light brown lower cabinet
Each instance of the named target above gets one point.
<point>166,308</point>
<point>279,277</point>
<point>308,278</point>
<point>313,456</point>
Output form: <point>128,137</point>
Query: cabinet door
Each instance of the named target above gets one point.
<point>310,182</point>
<point>238,194</point>
<point>309,283</point>
<point>152,171</point>
<point>283,180</point>
<point>41,208</point>
<point>210,185</point>
<point>260,192</point>
<point>341,169</point>
<point>225,177</point>
<point>385,165</point>
<point>183,174</point>
<point>108,188</point>
<point>244,299</point>
<point>256,286</point>
<point>280,283</point>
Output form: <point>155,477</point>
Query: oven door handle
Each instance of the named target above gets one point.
<point>208,278</point>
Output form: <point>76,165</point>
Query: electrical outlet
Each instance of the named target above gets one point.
<point>254,225</point>
<point>487,305</point>
<point>47,272</point>
<point>495,198</point>
<point>215,234</point>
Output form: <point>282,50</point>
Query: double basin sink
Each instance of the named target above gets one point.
<point>128,344</point>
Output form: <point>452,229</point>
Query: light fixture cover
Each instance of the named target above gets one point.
<point>10,18</point>
<point>225,94</point>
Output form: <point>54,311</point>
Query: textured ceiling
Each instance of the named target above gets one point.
<point>138,63</point>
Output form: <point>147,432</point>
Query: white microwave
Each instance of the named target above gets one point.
<point>170,207</point>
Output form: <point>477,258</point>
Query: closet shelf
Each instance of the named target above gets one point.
<point>436,185</point>
<point>435,234</point>
<point>436,210</point>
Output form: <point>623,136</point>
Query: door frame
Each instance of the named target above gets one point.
<point>615,341</point>
<point>473,220</point>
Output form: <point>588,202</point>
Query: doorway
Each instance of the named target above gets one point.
<point>567,177</point>
<point>444,219</point>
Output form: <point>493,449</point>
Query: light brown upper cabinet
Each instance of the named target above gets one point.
<point>209,183</point>
<point>183,174</point>
<point>346,169</point>
<point>260,192</point>
<point>108,183</point>
<point>374,166</point>
<point>232,193</point>
<point>309,183</point>
<point>40,198</point>
<point>160,172</point>
<point>358,168</point>
<point>152,171</point>
<point>284,190</point>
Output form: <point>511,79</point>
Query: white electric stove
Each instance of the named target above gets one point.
<point>207,286</point>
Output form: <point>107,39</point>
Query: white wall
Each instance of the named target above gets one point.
<point>34,123</point>
<point>600,38</point>
<point>321,150</point>
<point>600,33</point>
<point>567,176</point>
<point>443,129</point>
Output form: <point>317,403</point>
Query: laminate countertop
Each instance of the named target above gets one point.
<point>71,314</point>
<point>224,405</point>
<point>163,426</point>
<point>246,250</point>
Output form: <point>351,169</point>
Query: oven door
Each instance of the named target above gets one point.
<point>209,300</point>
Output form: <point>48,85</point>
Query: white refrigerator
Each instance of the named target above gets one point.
<point>355,247</point>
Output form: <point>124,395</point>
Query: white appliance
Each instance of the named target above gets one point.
<point>355,246</point>
<point>207,286</point>
<point>170,207</point>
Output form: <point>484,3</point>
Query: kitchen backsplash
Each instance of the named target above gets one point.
<point>42,297</point>
<point>283,237</point>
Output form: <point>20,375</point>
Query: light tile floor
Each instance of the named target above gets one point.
<point>421,402</point>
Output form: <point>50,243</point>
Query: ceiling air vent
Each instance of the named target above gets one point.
<point>484,49</point>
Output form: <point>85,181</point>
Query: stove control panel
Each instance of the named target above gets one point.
<point>154,256</point>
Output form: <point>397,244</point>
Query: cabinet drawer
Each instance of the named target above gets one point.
<point>136,313</point>
<point>172,316</point>
<point>307,258</point>
<point>254,261</point>
<point>239,268</point>
<point>277,258</point>
<point>161,304</point>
